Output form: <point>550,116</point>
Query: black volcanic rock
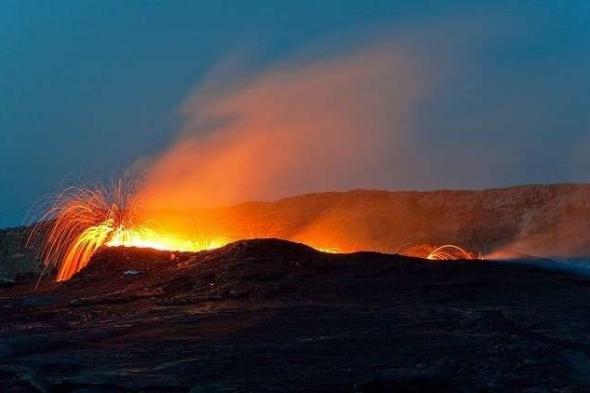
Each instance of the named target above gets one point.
<point>270,315</point>
<point>15,258</point>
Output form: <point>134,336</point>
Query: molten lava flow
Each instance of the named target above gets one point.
<point>144,237</point>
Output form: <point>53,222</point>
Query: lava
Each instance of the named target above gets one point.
<point>144,237</point>
<point>80,221</point>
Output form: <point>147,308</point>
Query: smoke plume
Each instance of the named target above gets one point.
<point>325,123</point>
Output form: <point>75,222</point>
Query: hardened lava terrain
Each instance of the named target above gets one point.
<point>275,316</point>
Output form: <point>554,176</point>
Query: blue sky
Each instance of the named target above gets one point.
<point>89,87</point>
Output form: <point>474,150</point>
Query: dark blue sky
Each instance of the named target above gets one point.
<point>89,87</point>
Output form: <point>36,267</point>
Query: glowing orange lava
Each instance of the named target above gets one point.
<point>82,220</point>
<point>147,238</point>
<point>329,250</point>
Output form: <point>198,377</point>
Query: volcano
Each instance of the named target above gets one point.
<point>275,313</point>
<point>272,315</point>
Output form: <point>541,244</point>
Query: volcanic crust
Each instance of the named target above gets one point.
<point>271,315</point>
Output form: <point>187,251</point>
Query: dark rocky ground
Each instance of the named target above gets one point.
<point>274,316</point>
<point>15,259</point>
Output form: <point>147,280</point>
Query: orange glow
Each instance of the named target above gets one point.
<point>82,220</point>
<point>78,254</point>
<point>144,237</point>
<point>298,126</point>
<point>291,128</point>
<point>329,250</point>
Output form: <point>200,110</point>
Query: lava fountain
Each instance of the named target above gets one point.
<point>79,221</point>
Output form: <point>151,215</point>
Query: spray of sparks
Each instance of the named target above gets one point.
<point>447,252</point>
<point>80,221</point>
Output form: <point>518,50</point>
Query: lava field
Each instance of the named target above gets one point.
<point>271,315</point>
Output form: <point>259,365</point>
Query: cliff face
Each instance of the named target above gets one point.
<point>544,220</point>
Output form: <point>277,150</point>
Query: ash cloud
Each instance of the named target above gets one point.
<point>309,124</point>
